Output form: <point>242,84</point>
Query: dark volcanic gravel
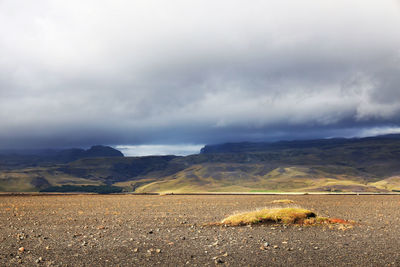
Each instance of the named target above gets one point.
<point>127,230</point>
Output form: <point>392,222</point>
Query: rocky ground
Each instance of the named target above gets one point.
<point>127,230</point>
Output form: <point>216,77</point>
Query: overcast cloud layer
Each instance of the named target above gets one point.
<point>76,73</point>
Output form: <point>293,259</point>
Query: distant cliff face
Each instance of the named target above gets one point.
<point>93,152</point>
<point>249,147</point>
<point>18,159</point>
<point>102,151</point>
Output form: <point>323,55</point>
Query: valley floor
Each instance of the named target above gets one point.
<point>150,230</point>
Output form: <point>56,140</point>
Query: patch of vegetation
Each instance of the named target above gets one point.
<point>324,220</point>
<point>280,215</point>
<point>265,191</point>
<point>274,215</point>
<point>100,189</point>
<point>282,201</point>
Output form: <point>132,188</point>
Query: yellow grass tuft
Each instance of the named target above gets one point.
<point>274,215</point>
<point>282,201</point>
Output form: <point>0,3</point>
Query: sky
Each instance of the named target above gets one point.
<point>157,77</point>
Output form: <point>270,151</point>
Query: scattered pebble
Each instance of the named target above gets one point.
<point>218,261</point>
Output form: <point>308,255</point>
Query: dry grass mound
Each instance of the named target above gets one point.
<point>282,201</point>
<point>274,215</point>
<point>289,215</point>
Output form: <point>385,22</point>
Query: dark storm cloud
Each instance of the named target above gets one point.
<point>195,72</point>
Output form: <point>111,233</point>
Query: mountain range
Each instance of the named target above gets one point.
<point>369,164</point>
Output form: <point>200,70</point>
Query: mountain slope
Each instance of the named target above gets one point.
<point>252,178</point>
<point>364,164</point>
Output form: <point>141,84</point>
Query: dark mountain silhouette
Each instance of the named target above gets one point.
<point>339,164</point>
<point>97,151</point>
<point>14,159</point>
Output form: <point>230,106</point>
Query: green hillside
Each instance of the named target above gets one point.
<point>366,164</point>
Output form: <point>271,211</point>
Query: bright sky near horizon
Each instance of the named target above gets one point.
<point>145,150</point>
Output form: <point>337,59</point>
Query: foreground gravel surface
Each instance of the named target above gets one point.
<point>127,230</point>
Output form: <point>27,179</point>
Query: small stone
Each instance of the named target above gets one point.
<point>219,261</point>
<point>316,248</point>
<point>158,250</point>
<point>135,250</point>
<point>47,248</point>
<point>21,249</point>
<point>290,249</point>
<point>183,238</point>
<point>151,231</point>
<point>276,247</point>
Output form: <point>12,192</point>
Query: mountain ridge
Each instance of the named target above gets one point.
<point>369,164</point>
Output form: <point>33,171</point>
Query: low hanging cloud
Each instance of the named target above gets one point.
<point>196,72</point>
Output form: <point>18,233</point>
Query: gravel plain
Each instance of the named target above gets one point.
<point>152,230</point>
